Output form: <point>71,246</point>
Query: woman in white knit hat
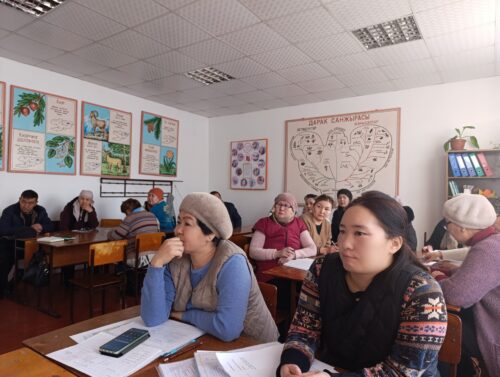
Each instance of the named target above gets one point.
<point>202,278</point>
<point>475,286</point>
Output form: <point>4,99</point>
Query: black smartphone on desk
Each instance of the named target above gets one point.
<point>123,343</point>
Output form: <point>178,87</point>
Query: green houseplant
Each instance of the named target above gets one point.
<point>457,142</point>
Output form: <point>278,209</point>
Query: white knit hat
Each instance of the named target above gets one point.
<point>470,211</point>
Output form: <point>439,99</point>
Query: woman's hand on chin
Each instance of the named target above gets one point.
<point>169,249</point>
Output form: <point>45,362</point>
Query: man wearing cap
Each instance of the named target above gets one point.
<point>157,206</point>
<point>231,209</point>
<point>202,278</point>
<point>475,286</point>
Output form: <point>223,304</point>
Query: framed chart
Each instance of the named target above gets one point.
<point>248,164</point>
<point>42,137</point>
<point>357,151</point>
<point>2,124</point>
<point>159,145</point>
<point>106,139</point>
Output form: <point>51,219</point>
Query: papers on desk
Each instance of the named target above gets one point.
<point>261,360</point>
<point>50,239</point>
<point>301,264</point>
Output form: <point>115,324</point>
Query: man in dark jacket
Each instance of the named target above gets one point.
<point>23,219</point>
<point>233,212</point>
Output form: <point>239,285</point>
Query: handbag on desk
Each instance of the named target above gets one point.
<point>37,272</point>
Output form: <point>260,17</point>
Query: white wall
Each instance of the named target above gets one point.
<point>428,118</point>
<point>55,190</point>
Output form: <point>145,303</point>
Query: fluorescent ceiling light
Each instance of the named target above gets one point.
<point>208,75</point>
<point>35,8</point>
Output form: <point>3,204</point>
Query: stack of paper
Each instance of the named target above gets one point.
<point>301,264</point>
<point>50,239</point>
<point>261,360</point>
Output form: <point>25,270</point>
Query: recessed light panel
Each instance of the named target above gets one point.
<point>208,75</point>
<point>34,7</point>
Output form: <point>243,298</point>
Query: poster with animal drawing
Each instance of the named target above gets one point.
<point>106,139</point>
<point>2,123</point>
<point>159,145</point>
<point>42,137</point>
<point>357,151</point>
<point>249,165</point>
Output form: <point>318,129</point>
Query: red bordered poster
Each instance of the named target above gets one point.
<point>248,164</point>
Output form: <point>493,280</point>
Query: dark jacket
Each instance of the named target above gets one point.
<point>68,221</point>
<point>13,221</point>
<point>234,215</point>
<point>337,216</point>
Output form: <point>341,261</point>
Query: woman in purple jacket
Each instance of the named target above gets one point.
<point>475,286</point>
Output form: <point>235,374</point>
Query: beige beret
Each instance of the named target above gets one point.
<point>211,211</point>
<point>470,211</point>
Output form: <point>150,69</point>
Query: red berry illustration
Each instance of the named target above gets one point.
<point>151,127</point>
<point>25,111</point>
<point>34,106</point>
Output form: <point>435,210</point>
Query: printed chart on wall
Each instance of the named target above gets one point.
<point>358,151</point>
<point>2,124</point>
<point>106,137</point>
<point>249,164</point>
<point>42,132</point>
<point>159,145</point>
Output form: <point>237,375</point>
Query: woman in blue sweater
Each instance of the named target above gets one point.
<point>202,278</point>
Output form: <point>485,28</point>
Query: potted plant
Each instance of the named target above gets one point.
<point>457,142</point>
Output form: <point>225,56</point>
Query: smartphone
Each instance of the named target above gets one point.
<point>123,343</point>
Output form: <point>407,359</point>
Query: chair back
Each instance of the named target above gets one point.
<point>451,350</point>
<point>147,243</point>
<point>270,294</point>
<point>110,223</point>
<point>107,252</point>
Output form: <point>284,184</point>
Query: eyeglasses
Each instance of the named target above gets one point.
<point>283,205</point>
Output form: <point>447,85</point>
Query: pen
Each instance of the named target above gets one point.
<point>167,356</point>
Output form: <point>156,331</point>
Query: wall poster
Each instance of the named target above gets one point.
<point>42,132</point>
<point>159,145</point>
<point>248,169</point>
<point>106,139</point>
<point>357,151</point>
<point>2,124</point>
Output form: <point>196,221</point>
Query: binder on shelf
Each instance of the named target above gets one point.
<point>456,188</point>
<point>455,170</point>
<point>461,165</point>
<point>452,188</point>
<point>476,164</point>
<point>468,165</point>
<point>484,164</point>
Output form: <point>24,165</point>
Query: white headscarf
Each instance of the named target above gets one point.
<point>76,204</point>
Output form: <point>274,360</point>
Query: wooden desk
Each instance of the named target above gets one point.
<point>294,275</point>
<point>25,362</point>
<point>58,339</point>
<point>242,236</point>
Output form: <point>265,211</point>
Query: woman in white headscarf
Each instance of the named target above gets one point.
<point>79,213</point>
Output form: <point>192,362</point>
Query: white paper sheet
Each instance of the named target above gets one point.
<point>301,264</point>
<point>184,368</point>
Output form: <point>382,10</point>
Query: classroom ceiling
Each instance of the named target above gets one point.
<point>280,52</point>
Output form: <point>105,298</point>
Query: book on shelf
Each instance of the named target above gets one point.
<point>461,165</point>
<point>454,189</point>
<point>476,164</point>
<point>455,170</point>
<point>468,165</point>
<point>484,164</point>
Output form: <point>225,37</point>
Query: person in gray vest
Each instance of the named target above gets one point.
<point>202,278</point>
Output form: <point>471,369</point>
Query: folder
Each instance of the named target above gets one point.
<point>476,164</point>
<point>452,188</point>
<point>457,189</point>
<point>455,171</point>
<point>468,165</point>
<point>484,164</point>
<point>461,165</point>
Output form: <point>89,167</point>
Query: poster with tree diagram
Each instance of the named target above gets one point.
<point>2,124</point>
<point>357,151</point>
<point>106,139</point>
<point>159,145</point>
<point>248,164</point>
<point>42,137</point>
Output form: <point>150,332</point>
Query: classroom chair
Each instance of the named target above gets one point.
<point>145,243</point>
<point>29,248</point>
<point>451,350</point>
<point>101,254</point>
<point>110,223</point>
<point>270,294</point>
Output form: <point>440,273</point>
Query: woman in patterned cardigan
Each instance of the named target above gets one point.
<point>369,309</point>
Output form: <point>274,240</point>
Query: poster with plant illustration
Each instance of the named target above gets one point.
<point>159,145</point>
<point>248,164</point>
<point>106,139</point>
<point>2,123</point>
<point>42,132</point>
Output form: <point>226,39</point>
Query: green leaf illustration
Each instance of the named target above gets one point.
<point>51,153</point>
<point>68,161</point>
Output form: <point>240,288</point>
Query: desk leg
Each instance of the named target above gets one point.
<point>293,298</point>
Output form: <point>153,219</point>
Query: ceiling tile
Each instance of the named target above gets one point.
<point>12,19</point>
<point>212,51</point>
<point>99,81</point>
<point>4,33</point>
<point>176,62</point>
<point>226,101</point>
<point>151,88</point>
<point>321,85</point>
<point>266,80</point>
<point>286,91</point>
<point>331,95</point>
<point>104,55</point>
<point>469,73</point>
<point>271,104</point>
<point>173,31</point>
<point>372,88</point>
<point>416,81</point>
<point>300,100</point>
<point>135,44</point>
<point>413,68</point>
<point>403,52</point>
<point>117,77</point>
<point>310,24</point>
<point>127,12</point>
<point>455,16</point>
<point>255,96</point>
<point>174,4</point>
<point>348,63</point>
<point>304,72</point>
<point>419,5</point>
<point>246,108</point>
<point>331,47</point>
<point>467,39</point>
<point>57,69</point>
<point>204,92</point>
<point>145,71</point>
<point>27,47</point>
<point>135,91</point>
<point>265,9</point>
<point>477,56</point>
<point>282,58</point>
<point>372,75</point>
<point>361,13</point>
<point>179,82</point>
<point>53,36</point>
<point>19,58</point>
<point>83,21</point>
<point>77,64</point>
<point>255,39</point>
<point>242,68</point>
<point>233,87</point>
<point>218,16</point>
